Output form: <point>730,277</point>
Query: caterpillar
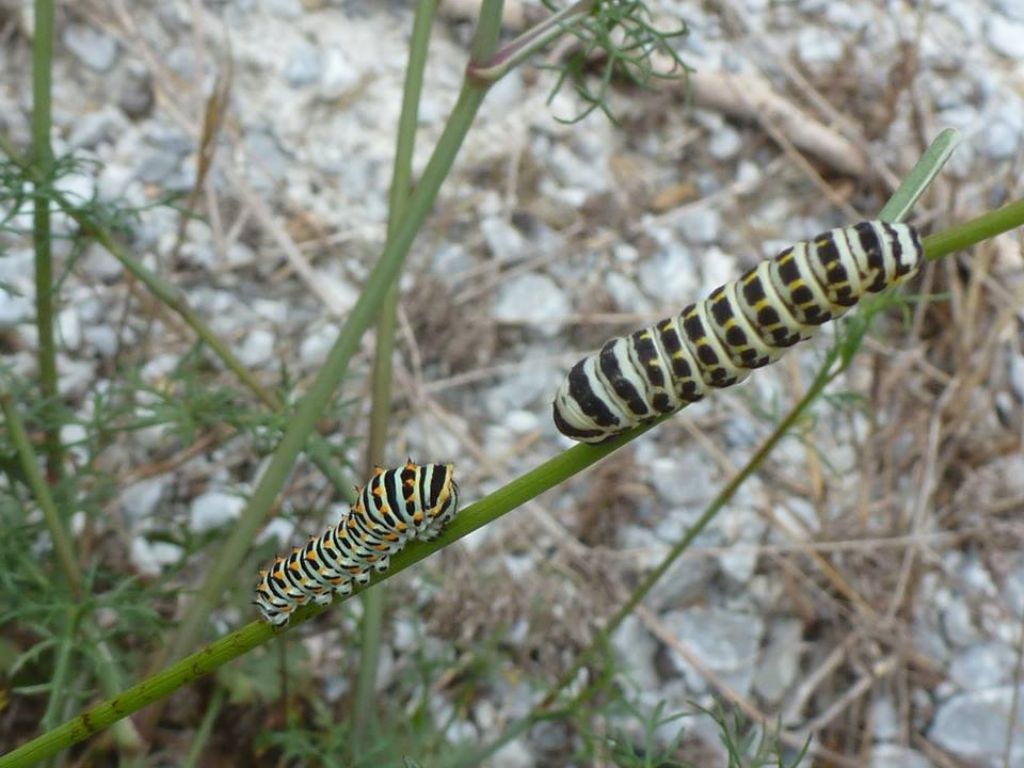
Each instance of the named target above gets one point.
<point>396,506</point>
<point>741,325</point>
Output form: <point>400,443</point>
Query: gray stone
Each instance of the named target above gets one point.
<point>15,308</point>
<point>725,641</point>
<point>339,76</point>
<point>700,224</point>
<point>893,756</point>
<point>533,299</point>
<point>975,726</point>
<point>316,344</point>
<point>150,557</point>
<point>135,97</point>
<point>884,718</point>
<point>1012,8</point>
<point>92,128</point>
<point>304,66</point>
<point>258,348</point>
<point>504,241</point>
<point>139,501</point>
<point>69,326</point>
<point>636,649</point>
<point>97,50</point>
<point>101,338</point>
<point>983,666</point>
<point>780,661</point>
<point>1005,36</point>
<point>669,275</point>
<point>214,509</point>
<point>283,9</point>
<point>725,143</point>
<point>514,754</point>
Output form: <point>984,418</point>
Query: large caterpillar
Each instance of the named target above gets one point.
<point>742,325</point>
<point>393,508</point>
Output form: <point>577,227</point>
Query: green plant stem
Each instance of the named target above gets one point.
<point>41,492</point>
<point>202,736</point>
<point>529,42</point>
<point>42,162</point>
<point>976,230</point>
<point>363,313</point>
<point>61,667</point>
<point>380,408</point>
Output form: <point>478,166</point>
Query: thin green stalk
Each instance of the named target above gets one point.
<point>363,313</point>
<point>380,409</point>
<point>41,491</point>
<point>61,666</point>
<point>42,162</point>
<point>202,736</point>
<point>529,42</point>
<point>974,231</point>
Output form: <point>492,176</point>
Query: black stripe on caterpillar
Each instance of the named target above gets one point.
<point>396,506</point>
<point>740,326</point>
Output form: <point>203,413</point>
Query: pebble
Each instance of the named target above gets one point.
<point>514,754</point>
<point>535,300</point>
<point>725,641</point>
<point>258,348</point>
<point>504,241</point>
<point>338,76</point>
<point>214,509</point>
<point>103,339</point>
<point>304,65</point>
<point>1005,36</point>
<point>893,756</point>
<point>15,308</point>
<point>625,293</point>
<point>316,344</point>
<point>780,660</point>
<point>101,126</point>
<point>1012,8</point>
<point>69,327</point>
<point>885,719</point>
<point>636,649</point>
<point>986,665</point>
<point>974,726</point>
<point>725,143</point>
<point>815,46</point>
<point>140,500</point>
<point>97,50</point>
<point>135,95</point>
<point>669,275</point>
<point>150,557</point>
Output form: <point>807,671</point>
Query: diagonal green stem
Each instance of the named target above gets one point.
<point>42,163</point>
<point>380,409</point>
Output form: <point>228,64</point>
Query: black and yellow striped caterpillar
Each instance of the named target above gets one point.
<point>742,325</point>
<point>393,508</point>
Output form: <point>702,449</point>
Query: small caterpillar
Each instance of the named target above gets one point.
<point>396,506</point>
<point>740,326</point>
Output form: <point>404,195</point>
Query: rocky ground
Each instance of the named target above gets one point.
<point>867,587</point>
